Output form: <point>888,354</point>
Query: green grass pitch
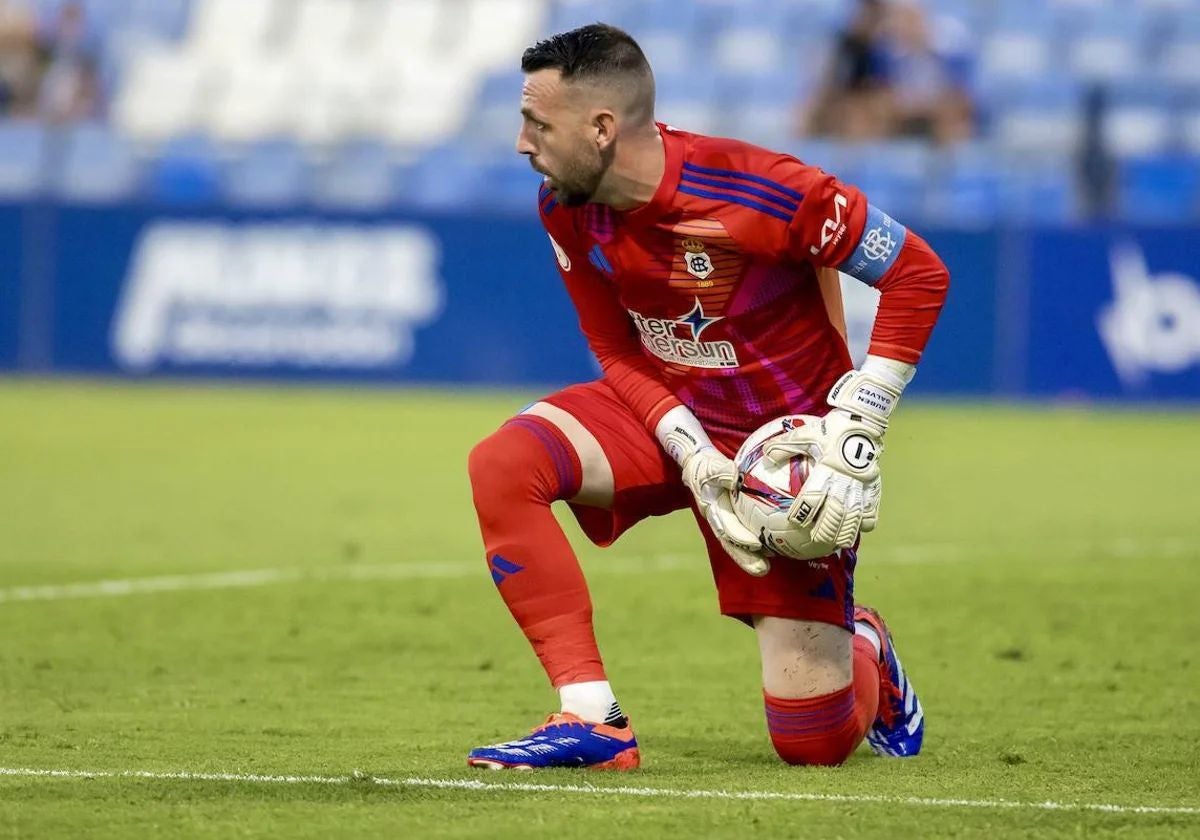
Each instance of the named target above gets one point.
<point>296,587</point>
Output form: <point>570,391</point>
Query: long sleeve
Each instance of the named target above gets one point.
<point>614,342</point>
<point>836,227</point>
<point>609,331</point>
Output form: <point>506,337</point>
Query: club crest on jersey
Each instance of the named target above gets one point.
<point>696,260</point>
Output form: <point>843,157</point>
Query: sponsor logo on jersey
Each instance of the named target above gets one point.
<point>833,229</point>
<point>677,340</point>
<point>263,295</point>
<point>1153,323</point>
<point>696,259</point>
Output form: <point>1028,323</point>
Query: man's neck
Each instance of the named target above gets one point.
<point>636,172</point>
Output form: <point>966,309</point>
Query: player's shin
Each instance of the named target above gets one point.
<point>516,474</point>
<point>820,689</point>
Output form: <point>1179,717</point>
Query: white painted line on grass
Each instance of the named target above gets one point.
<point>621,564</point>
<point>247,578</point>
<point>606,790</point>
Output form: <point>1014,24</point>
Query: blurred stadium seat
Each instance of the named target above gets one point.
<point>358,175</point>
<point>270,173</point>
<point>187,172</point>
<point>99,165</point>
<point>1162,189</point>
<point>23,147</point>
<point>344,92</point>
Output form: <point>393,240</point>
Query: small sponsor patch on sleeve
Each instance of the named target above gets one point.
<point>882,239</point>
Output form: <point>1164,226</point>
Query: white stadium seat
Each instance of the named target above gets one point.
<point>163,94</point>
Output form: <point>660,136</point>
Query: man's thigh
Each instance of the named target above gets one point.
<point>626,476</point>
<point>820,590</point>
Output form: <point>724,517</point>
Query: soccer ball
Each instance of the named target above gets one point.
<point>765,490</point>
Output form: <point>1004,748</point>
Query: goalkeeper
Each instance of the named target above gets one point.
<point>704,272</point>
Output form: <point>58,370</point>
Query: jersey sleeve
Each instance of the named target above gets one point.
<point>607,326</point>
<point>837,227</point>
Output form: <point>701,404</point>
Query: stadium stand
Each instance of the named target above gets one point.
<point>361,104</point>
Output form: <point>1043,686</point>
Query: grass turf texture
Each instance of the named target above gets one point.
<point>1038,567</point>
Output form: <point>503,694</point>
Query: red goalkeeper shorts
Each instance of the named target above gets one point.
<point>646,482</point>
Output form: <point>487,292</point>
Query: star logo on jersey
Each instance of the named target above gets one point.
<point>697,320</point>
<point>696,260</point>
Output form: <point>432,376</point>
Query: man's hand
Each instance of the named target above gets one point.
<point>711,477</point>
<point>840,498</point>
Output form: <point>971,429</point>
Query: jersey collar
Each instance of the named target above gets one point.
<point>664,196</point>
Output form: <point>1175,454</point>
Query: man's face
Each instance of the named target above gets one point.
<point>558,137</point>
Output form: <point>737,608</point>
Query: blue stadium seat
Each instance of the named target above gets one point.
<point>361,175</point>
<point>696,114</point>
<point>445,178</point>
<point>502,88</point>
<point>98,165</point>
<point>23,151</point>
<point>1043,115</point>
<point>1043,192</point>
<point>568,14</point>
<point>508,185</point>
<point>967,189</point>
<point>271,173</point>
<point>695,82</point>
<point>670,52</point>
<point>894,175</point>
<point>1163,189</point>
<point>163,18</point>
<point>186,172</point>
<point>653,17</point>
<point>830,155</point>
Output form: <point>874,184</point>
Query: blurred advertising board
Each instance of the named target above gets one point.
<point>475,300</point>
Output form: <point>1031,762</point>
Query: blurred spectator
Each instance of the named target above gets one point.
<point>69,89</point>
<point>852,101</point>
<point>928,67</point>
<point>20,65</point>
<point>894,73</point>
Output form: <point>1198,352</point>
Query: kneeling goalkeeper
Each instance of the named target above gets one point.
<point>703,273</point>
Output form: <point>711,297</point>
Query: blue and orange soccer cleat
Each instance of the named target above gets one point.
<point>899,727</point>
<point>564,740</point>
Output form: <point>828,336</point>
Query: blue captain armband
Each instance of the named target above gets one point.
<point>878,249</point>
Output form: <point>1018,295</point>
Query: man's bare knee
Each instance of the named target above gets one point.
<point>803,658</point>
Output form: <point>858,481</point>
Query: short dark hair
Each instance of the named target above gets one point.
<point>596,52</point>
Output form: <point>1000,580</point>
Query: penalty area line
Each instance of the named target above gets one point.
<point>605,790</point>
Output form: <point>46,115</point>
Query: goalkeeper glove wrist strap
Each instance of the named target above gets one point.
<point>873,390</point>
<point>681,435</point>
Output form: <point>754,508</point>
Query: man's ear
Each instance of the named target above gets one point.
<point>604,126</point>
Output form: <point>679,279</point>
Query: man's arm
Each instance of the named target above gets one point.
<point>613,341</point>
<point>611,336</point>
<point>835,227</point>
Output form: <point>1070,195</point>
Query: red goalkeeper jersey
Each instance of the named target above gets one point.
<point>709,295</point>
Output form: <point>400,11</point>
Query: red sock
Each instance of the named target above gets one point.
<point>515,474</point>
<point>826,729</point>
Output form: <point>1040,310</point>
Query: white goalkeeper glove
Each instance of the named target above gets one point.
<point>711,477</point>
<point>840,497</point>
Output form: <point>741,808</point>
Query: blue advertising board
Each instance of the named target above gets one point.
<point>1114,313</point>
<point>393,299</point>
<point>476,300</point>
<point>11,275</point>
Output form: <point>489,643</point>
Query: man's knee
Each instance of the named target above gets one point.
<point>803,658</point>
<point>822,730</point>
<point>500,466</point>
<point>524,458</point>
